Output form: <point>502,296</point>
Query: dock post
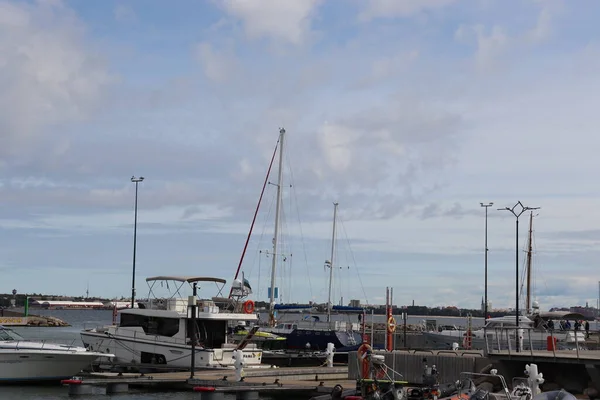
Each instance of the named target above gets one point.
<point>238,355</point>
<point>117,388</point>
<point>330,351</point>
<point>79,389</point>
<point>250,395</point>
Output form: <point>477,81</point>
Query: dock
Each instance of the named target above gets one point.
<point>275,382</point>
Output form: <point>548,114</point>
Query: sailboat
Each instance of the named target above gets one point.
<point>309,332</point>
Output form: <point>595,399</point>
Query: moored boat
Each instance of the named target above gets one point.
<point>23,360</point>
<point>161,330</point>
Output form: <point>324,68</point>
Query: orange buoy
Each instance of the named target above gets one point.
<point>248,307</point>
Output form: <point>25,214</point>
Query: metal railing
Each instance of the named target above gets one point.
<point>45,344</point>
<point>530,339</point>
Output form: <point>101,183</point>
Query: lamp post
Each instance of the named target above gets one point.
<point>136,181</point>
<point>485,307</point>
<point>517,210</point>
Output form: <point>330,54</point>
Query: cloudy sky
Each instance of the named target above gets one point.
<point>409,113</point>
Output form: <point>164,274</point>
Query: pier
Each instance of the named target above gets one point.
<point>256,381</point>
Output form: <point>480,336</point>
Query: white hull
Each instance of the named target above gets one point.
<point>42,365</point>
<point>130,350</point>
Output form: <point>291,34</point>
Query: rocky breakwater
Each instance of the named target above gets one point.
<point>45,321</point>
<point>16,318</point>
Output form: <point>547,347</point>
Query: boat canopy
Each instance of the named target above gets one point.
<point>347,309</point>
<point>188,279</point>
<point>292,306</point>
<point>561,315</point>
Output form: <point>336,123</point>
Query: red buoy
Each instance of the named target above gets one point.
<point>204,389</point>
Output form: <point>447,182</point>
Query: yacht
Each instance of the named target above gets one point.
<point>500,331</point>
<point>160,330</point>
<point>22,360</point>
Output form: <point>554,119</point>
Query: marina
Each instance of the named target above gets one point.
<point>299,200</point>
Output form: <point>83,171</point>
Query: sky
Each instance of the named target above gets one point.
<point>408,113</point>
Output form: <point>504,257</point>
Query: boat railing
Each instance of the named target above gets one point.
<point>90,325</point>
<point>46,344</point>
<point>514,340</point>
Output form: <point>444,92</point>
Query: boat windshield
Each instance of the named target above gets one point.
<point>7,334</point>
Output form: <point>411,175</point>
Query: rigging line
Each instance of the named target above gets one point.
<point>262,234</point>
<point>300,227</point>
<point>237,272</point>
<point>354,260</point>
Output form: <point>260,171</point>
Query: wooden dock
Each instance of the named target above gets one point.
<point>308,381</point>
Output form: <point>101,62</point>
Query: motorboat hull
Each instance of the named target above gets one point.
<point>139,350</point>
<point>31,365</point>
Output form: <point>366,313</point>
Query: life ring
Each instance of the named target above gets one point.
<point>363,351</point>
<point>391,324</point>
<point>248,307</point>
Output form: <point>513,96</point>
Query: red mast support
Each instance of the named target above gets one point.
<point>237,272</point>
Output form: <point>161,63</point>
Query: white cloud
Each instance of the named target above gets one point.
<point>289,21</point>
<point>125,13</point>
<point>399,8</point>
<point>490,45</point>
<point>493,43</point>
<point>218,65</point>
<point>48,74</point>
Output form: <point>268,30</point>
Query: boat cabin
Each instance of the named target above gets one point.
<point>171,317</point>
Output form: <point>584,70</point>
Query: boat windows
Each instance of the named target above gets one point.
<point>210,333</point>
<point>6,334</point>
<point>151,325</point>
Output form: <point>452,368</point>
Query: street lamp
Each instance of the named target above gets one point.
<point>485,307</point>
<point>517,210</point>
<point>136,181</point>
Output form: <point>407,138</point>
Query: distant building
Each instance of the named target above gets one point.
<point>354,303</point>
<point>588,312</point>
<point>489,306</point>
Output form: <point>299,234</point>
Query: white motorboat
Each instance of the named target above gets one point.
<point>22,360</point>
<point>159,332</point>
<point>501,331</point>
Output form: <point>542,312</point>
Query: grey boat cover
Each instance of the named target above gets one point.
<point>555,395</point>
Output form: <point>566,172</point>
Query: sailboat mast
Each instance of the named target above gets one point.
<point>276,230</point>
<point>529,251</point>
<point>335,205</point>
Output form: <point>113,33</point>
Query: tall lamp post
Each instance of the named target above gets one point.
<point>485,307</point>
<point>136,181</point>
<point>517,210</point>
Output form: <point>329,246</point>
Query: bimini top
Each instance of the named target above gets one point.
<point>561,315</point>
<point>188,279</point>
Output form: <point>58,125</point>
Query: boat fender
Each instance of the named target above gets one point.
<point>203,389</point>
<point>71,382</point>
<point>248,307</point>
<point>391,324</point>
<point>363,355</point>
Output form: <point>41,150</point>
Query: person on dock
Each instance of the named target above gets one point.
<point>587,329</point>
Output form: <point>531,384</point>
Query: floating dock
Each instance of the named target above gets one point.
<point>275,382</point>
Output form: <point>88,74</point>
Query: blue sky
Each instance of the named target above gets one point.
<point>408,113</point>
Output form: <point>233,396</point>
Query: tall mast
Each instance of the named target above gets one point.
<point>335,205</point>
<point>529,251</point>
<point>276,231</point>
